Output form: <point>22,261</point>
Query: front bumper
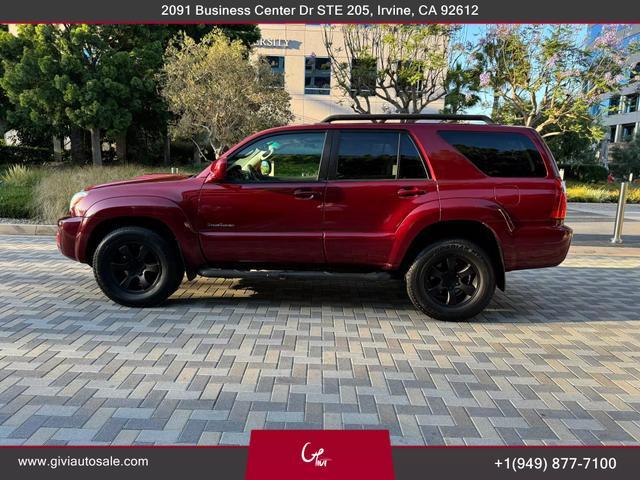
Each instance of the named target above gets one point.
<point>67,236</point>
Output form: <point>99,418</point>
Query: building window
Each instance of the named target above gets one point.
<point>277,67</point>
<point>363,76</point>
<point>317,75</point>
<point>614,105</point>
<point>631,103</point>
<point>627,131</point>
<point>612,133</point>
<point>635,72</point>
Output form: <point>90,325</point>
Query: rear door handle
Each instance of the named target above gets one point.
<point>410,192</point>
<point>305,194</point>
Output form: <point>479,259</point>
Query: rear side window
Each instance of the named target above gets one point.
<point>367,155</point>
<point>498,154</point>
<point>378,155</point>
<point>411,163</point>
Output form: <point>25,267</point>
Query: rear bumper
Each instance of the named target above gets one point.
<point>539,247</point>
<point>66,236</point>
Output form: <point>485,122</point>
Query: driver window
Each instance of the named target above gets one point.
<point>290,157</point>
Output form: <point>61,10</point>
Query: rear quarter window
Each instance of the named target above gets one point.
<point>498,154</point>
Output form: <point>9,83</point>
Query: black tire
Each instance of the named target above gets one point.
<point>451,280</point>
<point>136,267</point>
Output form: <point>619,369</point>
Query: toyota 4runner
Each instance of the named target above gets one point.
<point>446,205</point>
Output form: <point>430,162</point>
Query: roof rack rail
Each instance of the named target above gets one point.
<point>406,116</point>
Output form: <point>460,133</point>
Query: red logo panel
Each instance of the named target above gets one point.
<point>320,454</point>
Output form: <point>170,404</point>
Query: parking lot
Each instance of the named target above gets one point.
<point>554,360</point>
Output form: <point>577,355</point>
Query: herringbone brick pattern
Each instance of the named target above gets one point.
<point>556,360</point>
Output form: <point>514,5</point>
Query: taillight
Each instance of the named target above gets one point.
<point>560,206</point>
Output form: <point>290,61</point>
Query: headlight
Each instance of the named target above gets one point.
<point>75,199</point>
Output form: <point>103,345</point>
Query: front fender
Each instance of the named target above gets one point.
<point>148,207</point>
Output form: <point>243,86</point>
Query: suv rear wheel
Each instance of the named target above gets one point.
<point>136,267</point>
<point>451,280</point>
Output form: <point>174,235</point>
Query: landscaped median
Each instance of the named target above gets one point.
<point>40,195</point>
<point>600,192</point>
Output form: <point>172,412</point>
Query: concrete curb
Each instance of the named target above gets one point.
<point>27,229</point>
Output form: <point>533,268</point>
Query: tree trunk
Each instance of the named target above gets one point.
<point>3,128</point>
<point>96,147</point>
<point>78,152</point>
<point>121,147</point>
<point>495,106</point>
<point>197,159</point>
<point>57,148</point>
<point>166,151</point>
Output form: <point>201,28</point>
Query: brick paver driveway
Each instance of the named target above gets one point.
<point>555,360</point>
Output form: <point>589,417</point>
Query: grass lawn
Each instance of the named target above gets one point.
<point>15,201</point>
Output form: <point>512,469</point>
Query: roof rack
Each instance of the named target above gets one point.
<point>406,116</point>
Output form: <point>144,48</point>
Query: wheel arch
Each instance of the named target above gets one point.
<point>159,215</point>
<point>471,230</point>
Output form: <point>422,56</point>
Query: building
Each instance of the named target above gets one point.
<point>297,52</point>
<point>620,111</point>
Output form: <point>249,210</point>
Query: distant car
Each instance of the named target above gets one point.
<point>448,207</point>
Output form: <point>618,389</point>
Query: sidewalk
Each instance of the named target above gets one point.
<point>592,223</point>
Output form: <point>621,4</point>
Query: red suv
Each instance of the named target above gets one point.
<point>448,206</point>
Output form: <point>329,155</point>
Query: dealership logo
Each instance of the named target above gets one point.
<point>315,458</point>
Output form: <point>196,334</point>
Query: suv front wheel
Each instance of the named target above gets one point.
<point>451,280</point>
<point>136,267</point>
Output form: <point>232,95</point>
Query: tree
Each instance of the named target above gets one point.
<point>462,85</point>
<point>626,158</point>
<point>404,65</point>
<point>219,96</point>
<point>34,107</point>
<point>63,79</point>
<point>246,33</point>
<point>70,77</point>
<point>543,76</point>
<point>4,101</point>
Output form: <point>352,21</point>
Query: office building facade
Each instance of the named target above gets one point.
<point>620,111</point>
<point>297,52</point>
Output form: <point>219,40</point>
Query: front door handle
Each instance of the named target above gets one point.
<point>305,194</point>
<point>410,192</point>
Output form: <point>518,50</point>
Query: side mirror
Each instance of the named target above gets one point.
<point>265,167</point>
<point>218,170</point>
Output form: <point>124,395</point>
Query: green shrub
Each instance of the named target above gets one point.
<point>20,176</point>
<point>15,201</point>
<point>585,172</point>
<point>10,154</point>
<point>577,192</point>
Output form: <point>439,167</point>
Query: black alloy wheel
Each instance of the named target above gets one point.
<point>451,280</point>
<point>137,267</point>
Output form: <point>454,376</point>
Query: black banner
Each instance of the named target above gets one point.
<point>409,463</point>
<point>313,11</point>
